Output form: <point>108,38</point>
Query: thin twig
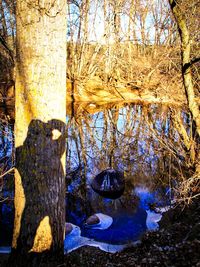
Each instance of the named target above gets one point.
<point>2,175</point>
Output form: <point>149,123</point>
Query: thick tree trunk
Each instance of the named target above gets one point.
<point>40,129</point>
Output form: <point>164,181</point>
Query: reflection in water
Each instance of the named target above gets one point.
<point>109,184</point>
<point>6,183</point>
<point>138,140</point>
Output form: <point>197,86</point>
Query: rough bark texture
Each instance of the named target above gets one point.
<point>40,127</point>
<point>187,76</point>
<point>186,61</point>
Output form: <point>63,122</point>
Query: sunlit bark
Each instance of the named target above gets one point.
<point>186,69</point>
<point>186,61</point>
<point>40,127</point>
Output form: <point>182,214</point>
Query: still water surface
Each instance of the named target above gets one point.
<point>138,140</point>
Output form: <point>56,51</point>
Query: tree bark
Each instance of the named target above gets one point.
<point>40,130</point>
<point>186,72</point>
<point>186,66</point>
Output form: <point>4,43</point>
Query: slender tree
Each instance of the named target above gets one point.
<point>186,70</point>
<point>39,131</point>
<point>186,60</point>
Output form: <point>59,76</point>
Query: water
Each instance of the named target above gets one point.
<point>139,141</point>
<point>6,184</point>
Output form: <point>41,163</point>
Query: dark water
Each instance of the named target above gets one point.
<point>139,141</point>
<point>6,184</point>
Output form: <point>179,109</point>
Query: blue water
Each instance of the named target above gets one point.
<point>126,227</point>
<point>129,221</point>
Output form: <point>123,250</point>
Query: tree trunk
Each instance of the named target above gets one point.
<point>186,62</point>
<point>40,131</point>
<point>4,30</point>
<point>186,71</point>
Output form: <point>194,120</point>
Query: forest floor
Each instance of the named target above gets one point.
<point>177,243</point>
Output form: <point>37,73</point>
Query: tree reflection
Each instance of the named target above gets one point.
<point>139,140</point>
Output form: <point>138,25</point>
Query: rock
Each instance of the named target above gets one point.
<point>75,230</point>
<point>109,184</point>
<point>68,228</point>
<point>99,221</point>
<point>92,220</point>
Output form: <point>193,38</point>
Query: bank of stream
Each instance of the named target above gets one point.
<point>177,243</point>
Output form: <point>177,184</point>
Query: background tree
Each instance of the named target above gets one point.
<point>179,9</point>
<point>39,130</point>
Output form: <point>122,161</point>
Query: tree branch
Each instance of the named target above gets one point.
<point>8,50</point>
